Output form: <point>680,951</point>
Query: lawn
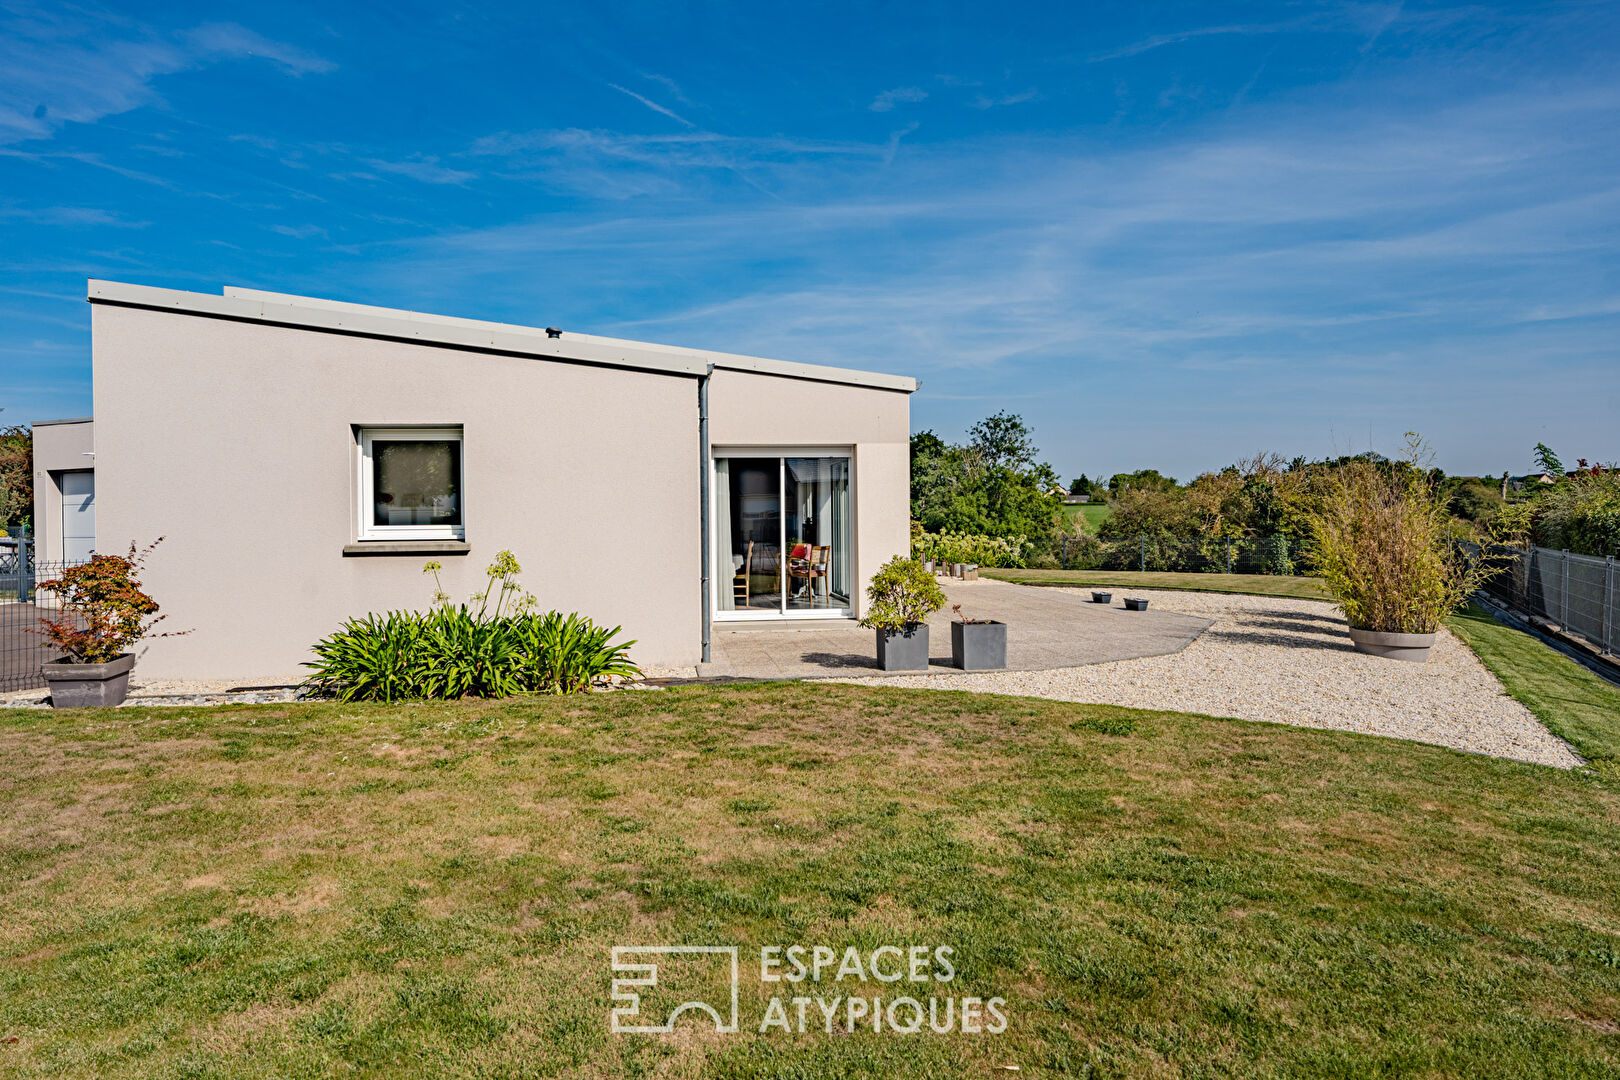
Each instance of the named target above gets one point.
<point>1258,584</point>
<point>1093,514</point>
<point>434,890</point>
<point>1575,704</point>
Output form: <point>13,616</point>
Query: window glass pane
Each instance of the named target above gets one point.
<point>817,506</point>
<point>748,523</point>
<point>416,481</point>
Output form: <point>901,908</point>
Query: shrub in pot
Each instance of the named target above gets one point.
<point>977,644</point>
<point>1382,542</point>
<point>103,614</point>
<point>898,602</point>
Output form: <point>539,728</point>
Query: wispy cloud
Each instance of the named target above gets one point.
<point>1392,241</point>
<point>66,65</point>
<point>654,106</point>
<point>886,101</point>
<point>984,102</point>
<point>426,169</point>
<point>228,40</point>
<point>72,216</point>
<point>299,232</point>
<point>1356,19</point>
<point>668,84</point>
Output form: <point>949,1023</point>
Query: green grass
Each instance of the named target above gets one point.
<point>1575,704</point>
<point>1258,584</point>
<point>433,890</point>
<point>1093,514</point>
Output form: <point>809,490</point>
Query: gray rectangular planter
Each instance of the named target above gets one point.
<point>903,650</point>
<point>88,686</point>
<point>979,646</point>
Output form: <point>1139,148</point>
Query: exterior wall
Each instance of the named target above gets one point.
<point>59,446</point>
<point>234,441</point>
<point>748,409</point>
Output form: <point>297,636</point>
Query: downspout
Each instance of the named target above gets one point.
<point>703,503</point>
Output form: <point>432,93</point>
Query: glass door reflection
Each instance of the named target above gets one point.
<point>782,535</point>
<point>748,529</point>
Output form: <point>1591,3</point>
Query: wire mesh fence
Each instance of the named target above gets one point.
<point>1270,554</point>
<point>1581,593</point>
<point>22,605</point>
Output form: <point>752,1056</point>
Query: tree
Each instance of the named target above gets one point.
<point>1003,441</point>
<point>16,475</point>
<point>992,485</point>
<point>1547,461</point>
<point>1149,479</point>
<point>1084,485</point>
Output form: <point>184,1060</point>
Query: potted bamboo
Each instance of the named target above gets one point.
<point>103,614</point>
<point>898,602</point>
<point>977,644</point>
<point>1383,549</point>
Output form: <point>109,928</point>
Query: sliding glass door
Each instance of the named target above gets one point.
<point>782,535</point>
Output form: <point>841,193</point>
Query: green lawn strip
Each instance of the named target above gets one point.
<point>1093,514</point>
<point>1307,588</point>
<point>434,890</point>
<point>1575,704</point>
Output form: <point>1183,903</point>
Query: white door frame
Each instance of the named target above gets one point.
<point>781,614</point>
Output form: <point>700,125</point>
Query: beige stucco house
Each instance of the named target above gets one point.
<point>304,458</point>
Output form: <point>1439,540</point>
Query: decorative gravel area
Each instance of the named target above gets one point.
<point>1291,662</point>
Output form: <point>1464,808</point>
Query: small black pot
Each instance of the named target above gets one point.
<point>1102,597</point>
<point>1134,603</point>
<point>88,686</point>
<point>905,649</point>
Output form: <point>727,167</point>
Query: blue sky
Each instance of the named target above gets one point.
<point>1168,235</point>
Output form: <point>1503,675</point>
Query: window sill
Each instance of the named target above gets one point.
<point>407,547</point>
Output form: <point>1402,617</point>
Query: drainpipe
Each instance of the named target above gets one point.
<point>703,503</point>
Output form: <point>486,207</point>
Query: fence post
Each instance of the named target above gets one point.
<point>1065,553</point>
<point>1228,554</point>
<point>1143,565</point>
<point>25,566</point>
<point>1563,589</point>
<point>1608,606</point>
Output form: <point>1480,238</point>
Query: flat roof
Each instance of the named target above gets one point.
<point>336,316</point>
<point>69,420</point>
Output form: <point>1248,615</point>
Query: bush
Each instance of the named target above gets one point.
<point>104,612</point>
<point>902,593</point>
<point>1382,546</point>
<point>959,547</point>
<point>460,651</point>
<point>1581,515</point>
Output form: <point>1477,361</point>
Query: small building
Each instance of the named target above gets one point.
<point>64,492</point>
<point>303,459</point>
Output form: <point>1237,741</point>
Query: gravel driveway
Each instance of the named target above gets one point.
<point>1291,662</point>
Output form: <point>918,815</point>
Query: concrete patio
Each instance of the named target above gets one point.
<point>1046,628</point>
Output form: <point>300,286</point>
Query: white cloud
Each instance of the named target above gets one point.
<point>983,102</point>
<point>886,101</point>
<point>65,65</point>
<point>426,169</point>
<point>654,106</point>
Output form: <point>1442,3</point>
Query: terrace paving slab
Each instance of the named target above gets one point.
<point>1046,629</point>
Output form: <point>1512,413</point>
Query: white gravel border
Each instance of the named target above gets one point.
<point>1291,662</point>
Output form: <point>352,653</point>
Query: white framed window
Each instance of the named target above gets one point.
<point>411,484</point>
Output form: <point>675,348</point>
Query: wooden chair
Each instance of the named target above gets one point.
<point>807,564</point>
<point>740,581</point>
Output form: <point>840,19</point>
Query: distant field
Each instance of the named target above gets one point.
<point>1093,514</point>
<point>1257,584</point>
